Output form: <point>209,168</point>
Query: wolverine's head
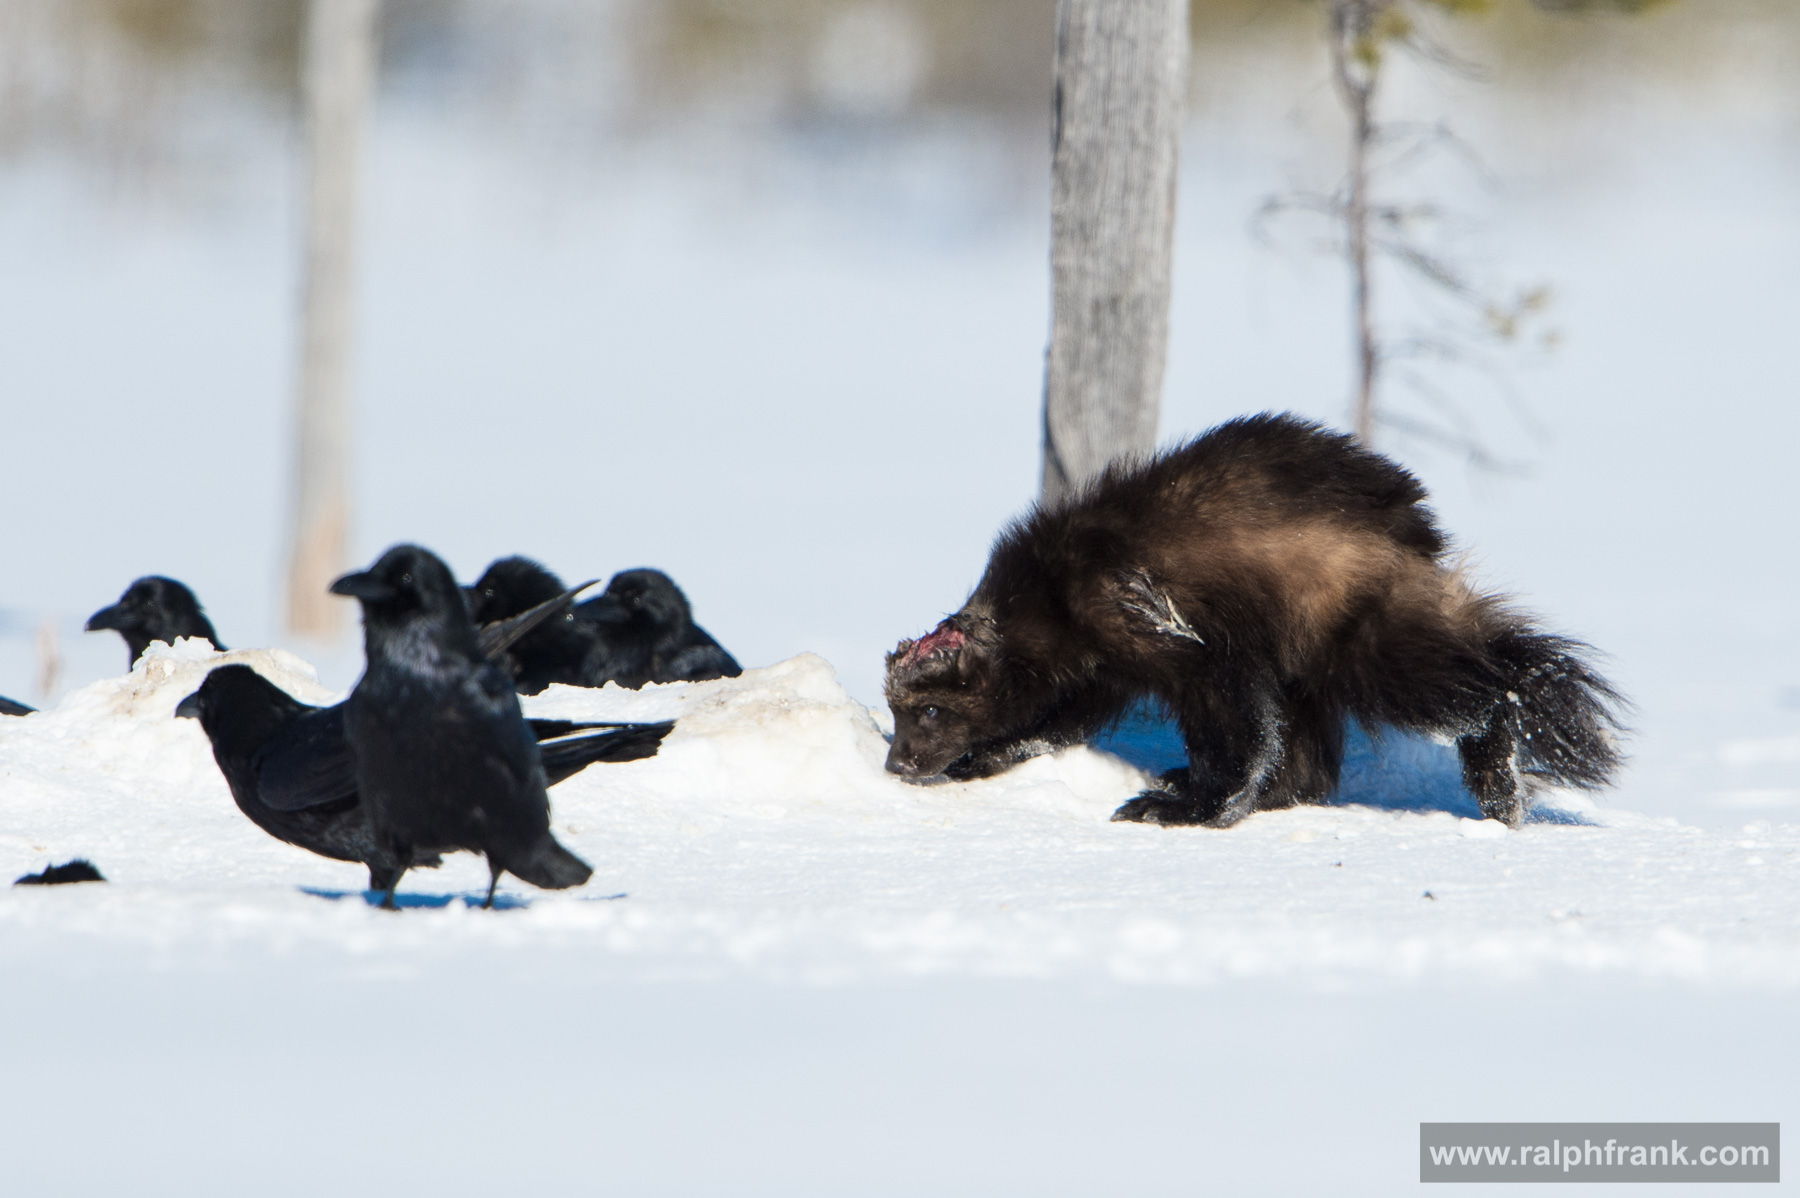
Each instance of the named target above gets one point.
<point>939,688</point>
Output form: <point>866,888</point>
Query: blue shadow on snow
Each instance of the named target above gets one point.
<point>1392,771</point>
<point>502,902</point>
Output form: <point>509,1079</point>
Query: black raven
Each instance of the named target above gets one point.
<point>444,759</point>
<point>154,609</point>
<point>649,633</point>
<point>8,707</point>
<point>290,769</point>
<point>565,648</point>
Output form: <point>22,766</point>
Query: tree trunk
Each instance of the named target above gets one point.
<point>1355,69</point>
<point>1121,85</point>
<point>339,72</point>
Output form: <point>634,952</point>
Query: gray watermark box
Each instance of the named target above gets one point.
<point>1599,1152</point>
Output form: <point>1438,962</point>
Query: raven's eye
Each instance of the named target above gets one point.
<point>406,578</point>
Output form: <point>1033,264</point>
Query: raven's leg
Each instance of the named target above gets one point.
<point>383,877</point>
<point>494,880</point>
<point>393,884</point>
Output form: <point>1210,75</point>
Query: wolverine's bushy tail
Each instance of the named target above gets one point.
<point>1564,716</point>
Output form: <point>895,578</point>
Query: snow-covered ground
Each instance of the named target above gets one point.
<point>794,973</point>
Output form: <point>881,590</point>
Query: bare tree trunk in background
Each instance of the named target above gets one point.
<point>1121,87</point>
<point>1355,68</point>
<point>339,72</point>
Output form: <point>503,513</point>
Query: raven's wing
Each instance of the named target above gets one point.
<point>628,742</point>
<point>9,707</point>
<point>307,762</point>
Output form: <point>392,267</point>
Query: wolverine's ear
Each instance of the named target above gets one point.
<point>974,663</point>
<point>978,628</point>
<point>898,655</point>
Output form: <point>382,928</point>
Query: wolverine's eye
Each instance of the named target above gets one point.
<point>928,713</point>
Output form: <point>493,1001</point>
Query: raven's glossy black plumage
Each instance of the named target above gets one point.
<point>8,707</point>
<point>444,759</point>
<point>565,648</point>
<point>649,634</point>
<point>154,609</point>
<point>291,772</point>
<point>640,630</point>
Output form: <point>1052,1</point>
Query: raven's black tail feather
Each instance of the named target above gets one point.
<point>549,866</point>
<point>629,742</point>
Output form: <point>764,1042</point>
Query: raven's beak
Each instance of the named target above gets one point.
<point>189,708</point>
<point>604,609</point>
<point>111,618</point>
<point>501,635</point>
<point>363,585</point>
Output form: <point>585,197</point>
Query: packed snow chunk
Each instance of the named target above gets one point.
<point>1482,829</point>
<point>789,735</point>
<point>113,775</point>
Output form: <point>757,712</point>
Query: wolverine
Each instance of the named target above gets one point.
<point>1265,582</point>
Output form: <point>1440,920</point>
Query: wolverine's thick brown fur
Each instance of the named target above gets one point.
<point>1266,581</point>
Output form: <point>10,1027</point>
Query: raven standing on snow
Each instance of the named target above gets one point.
<point>649,633</point>
<point>154,609</point>
<point>291,772</point>
<point>444,759</point>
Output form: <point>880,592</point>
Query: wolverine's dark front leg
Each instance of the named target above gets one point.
<point>1234,752</point>
<point>1074,718</point>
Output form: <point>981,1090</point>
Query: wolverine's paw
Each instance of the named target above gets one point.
<point>1159,807</point>
<point>1508,809</point>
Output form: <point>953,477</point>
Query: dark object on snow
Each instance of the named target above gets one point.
<point>78,870</point>
<point>154,609</point>
<point>649,634</point>
<point>563,649</point>
<point>1266,582</point>
<point>289,766</point>
<point>444,759</point>
<point>8,707</point>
